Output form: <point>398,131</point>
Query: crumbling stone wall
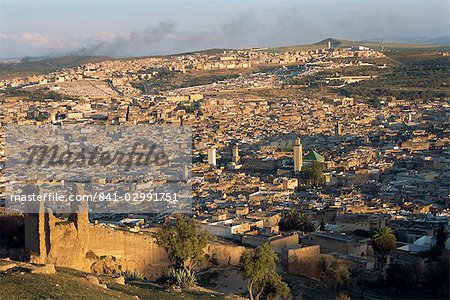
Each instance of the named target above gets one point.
<point>224,254</point>
<point>77,244</point>
<point>301,260</point>
<point>139,251</point>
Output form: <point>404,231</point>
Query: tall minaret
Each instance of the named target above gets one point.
<point>410,118</point>
<point>212,156</point>
<point>236,154</point>
<point>338,130</point>
<point>298,155</point>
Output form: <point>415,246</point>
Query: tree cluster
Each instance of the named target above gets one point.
<point>184,242</point>
<point>259,269</point>
<point>312,175</point>
<point>295,220</point>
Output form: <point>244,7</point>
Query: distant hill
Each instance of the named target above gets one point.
<point>28,68</point>
<point>41,66</point>
<point>205,52</point>
<point>442,40</point>
<point>377,45</point>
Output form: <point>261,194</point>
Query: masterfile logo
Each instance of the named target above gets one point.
<point>142,154</point>
<point>122,169</point>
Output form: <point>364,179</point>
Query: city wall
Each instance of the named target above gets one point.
<point>77,244</point>
<point>301,260</point>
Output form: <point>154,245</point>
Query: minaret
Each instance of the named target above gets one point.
<point>338,130</point>
<point>53,117</point>
<point>127,114</point>
<point>236,154</point>
<point>186,172</point>
<point>212,156</point>
<point>298,155</point>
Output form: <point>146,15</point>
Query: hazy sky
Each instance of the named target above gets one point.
<point>139,27</point>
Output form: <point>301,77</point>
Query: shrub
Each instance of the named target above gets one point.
<point>132,275</point>
<point>182,277</point>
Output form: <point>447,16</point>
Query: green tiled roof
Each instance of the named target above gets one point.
<point>313,156</point>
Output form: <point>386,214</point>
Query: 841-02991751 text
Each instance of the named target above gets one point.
<point>99,197</point>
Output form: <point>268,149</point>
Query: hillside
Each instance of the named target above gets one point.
<point>339,43</point>
<point>46,65</point>
<point>10,70</point>
<point>19,283</point>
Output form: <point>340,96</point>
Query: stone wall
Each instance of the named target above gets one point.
<point>139,251</point>
<point>224,254</point>
<point>301,260</point>
<point>276,242</point>
<point>77,244</point>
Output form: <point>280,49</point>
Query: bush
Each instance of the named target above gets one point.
<point>338,277</point>
<point>132,275</point>
<point>182,277</point>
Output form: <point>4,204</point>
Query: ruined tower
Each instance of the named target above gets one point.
<point>35,220</point>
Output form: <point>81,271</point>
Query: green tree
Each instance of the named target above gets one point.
<point>288,220</point>
<point>184,242</point>
<point>312,175</point>
<point>437,250</point>
<point>259,269</point>
<point>295,220</point>
<point>338,277</point>
<point>383,242</point>
<point>305,223</point>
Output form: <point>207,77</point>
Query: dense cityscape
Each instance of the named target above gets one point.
<point>318,171</point>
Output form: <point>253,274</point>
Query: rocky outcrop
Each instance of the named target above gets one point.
<point>46,269</point>
<point>7,266</point>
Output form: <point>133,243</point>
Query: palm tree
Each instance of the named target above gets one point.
<point>289,220</point>
<point>305,223</point>
<point>383,242</point>
<point>294,220</point>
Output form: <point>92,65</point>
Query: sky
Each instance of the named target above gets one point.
<point>144,27</point>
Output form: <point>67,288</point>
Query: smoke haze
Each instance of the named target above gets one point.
<point>131,28</point>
